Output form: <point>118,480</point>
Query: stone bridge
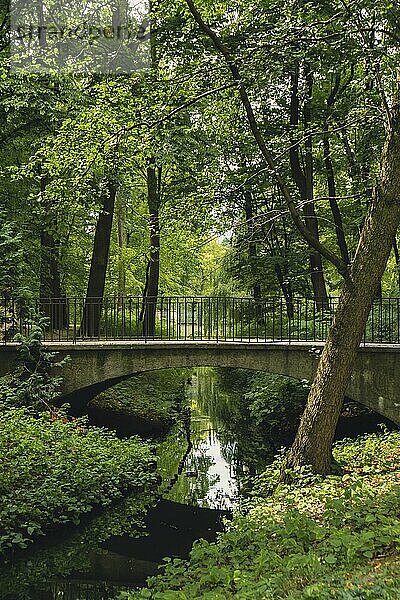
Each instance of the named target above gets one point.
<point>93,365</point>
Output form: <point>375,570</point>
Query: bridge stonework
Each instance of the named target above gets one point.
<point>95,365</point>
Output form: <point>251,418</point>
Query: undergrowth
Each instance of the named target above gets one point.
<point>146,403</point>
<point>321,538</point>
<point>54,469</point>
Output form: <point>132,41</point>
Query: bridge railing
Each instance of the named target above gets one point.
<point>177,318</point>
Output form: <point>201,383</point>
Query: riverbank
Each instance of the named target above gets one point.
<point>334,537</point>
<point>53,471</point>
<point>205,462</point>
<point>146,404</point>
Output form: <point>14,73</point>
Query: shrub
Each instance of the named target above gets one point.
<point>52,472</point>
<point>321,538</point>
<point>32,383</point>
<point>276,402</point>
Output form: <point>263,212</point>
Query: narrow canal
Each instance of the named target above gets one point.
<point>204,463</point>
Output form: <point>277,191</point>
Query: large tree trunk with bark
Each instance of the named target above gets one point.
<point>313,441</point>
<point>397,259</point>
<point>314,438</point>
<point>90,326</point>
<point>150,295</point>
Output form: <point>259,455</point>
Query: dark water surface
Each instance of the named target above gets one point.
<point>203,462</point>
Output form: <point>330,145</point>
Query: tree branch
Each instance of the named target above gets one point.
<point>301,227</point>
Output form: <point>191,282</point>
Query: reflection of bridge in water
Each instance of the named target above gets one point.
<point>264,335</point>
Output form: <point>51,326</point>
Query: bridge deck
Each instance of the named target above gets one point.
<point>254,344</point>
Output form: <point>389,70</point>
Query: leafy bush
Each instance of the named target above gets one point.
<point>261,412</point>
<point>52,471</point>
<point>21,578</point>
<point>321,538</point>
<point>276,402</point>
<point>11,259</point>
<point>33,383</point>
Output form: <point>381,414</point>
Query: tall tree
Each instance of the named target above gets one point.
<point>314,439</point>
<point>304,177</point>
<point>52,297</point>
<point>251,233</point>
<point>150,295</point>
<point>90,326</point>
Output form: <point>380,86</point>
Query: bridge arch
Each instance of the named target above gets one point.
<point>95,365</point>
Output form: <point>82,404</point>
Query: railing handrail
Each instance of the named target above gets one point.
<point>174,317</point>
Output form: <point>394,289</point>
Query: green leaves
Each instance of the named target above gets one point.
<point>336,537</point>
<point>52,472</point>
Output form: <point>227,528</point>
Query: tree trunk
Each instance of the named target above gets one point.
<point>286,290</point>
<point>153,271</point>
<point>305,183</point>
<point>122,244</point>
<point>52,299</point>
<point>397,258</point>
<point>90,326</point>
<point>337,217</point>
<point>252,246</point>
<point>314,438</point>
<point>281,269</point>
<point>53,302</point>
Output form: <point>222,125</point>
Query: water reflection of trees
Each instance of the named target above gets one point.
<point>197,475</point>
<point>24,579</point>
<point>222,428</point>
<point>220,393</point>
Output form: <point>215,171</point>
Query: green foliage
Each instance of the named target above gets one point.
<point>54,471</point>
<point>276,402</point>
<point>337,537</point>
<point>261,410</point>
<point>75,552</point>
<point>32,384</point>
<point>11,257</point>
<point>153,398</point>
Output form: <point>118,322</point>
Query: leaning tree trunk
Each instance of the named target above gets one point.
<point>153,269</point>
<point>314,438</point>
<point>90,326</point>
